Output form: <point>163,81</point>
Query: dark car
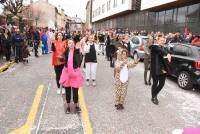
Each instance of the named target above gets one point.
<point>185,65</point>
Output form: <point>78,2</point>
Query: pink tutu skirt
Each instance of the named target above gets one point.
<point>72,78</point>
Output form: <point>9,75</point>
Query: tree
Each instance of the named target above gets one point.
<point>14,6</point>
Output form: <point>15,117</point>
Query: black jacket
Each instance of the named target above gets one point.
<point>91,56</point>
<point>6,41</point>
<point>76,58</point>
<point>101,38</point>
<point>158,63</point>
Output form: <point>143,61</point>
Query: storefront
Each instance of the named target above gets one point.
<point>165,20</point>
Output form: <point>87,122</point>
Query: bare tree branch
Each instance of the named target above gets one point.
<point>14,6</point>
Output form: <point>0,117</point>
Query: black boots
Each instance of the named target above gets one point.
<point>155,100</point>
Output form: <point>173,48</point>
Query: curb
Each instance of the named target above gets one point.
<point>6,66</point>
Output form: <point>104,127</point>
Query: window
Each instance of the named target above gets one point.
<point>181,14</point>
<point>99,10</point>
<point>135,40</point>
<point>123,1</point>
<point>168,16</point>
<point>115,3</point>
<point>161,18</point>
<point>175,15</point>
<point>92,14</point>
<point>96,12</point>
<point>108,5</point>
<point>103,8</point>
<point>182,50</point>
<point>193,13</point>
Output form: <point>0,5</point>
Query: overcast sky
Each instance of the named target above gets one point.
<point>71,7</point>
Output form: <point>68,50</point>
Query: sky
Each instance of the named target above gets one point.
<point>71,7</point>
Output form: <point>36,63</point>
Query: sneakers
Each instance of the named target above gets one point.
<point>63,91</point>
<point>119,107</point>
<point>87,83</point>
<point>77,109</point>
<point>155,100</point>
<point>58,91</point>
<point>67,110</point>
<point>93,83</point>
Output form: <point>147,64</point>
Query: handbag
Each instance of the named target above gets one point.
<point>124,74</point>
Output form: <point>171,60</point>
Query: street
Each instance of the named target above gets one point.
<point>177,109</point>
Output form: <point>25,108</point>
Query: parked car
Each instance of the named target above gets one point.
<point>185,65</point>
<point>137,46</point>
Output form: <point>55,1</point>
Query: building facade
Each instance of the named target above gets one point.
<point>109,13</point>
<point>46,16</point>
<point>88,23</point>
<point>76,24</point>
<point>156,15</point>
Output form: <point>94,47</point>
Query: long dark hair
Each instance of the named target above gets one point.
<point>57,35</point>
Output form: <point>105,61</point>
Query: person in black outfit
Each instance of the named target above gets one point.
<point>18,42</point>
<point>6,43</point>
<point>36,41</point>
<point>108,47</point>
<point>158,67</point>
<point>101,42</point>
<point>114,42</point>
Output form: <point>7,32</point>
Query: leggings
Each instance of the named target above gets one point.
<point>58,70</point>
<point>68,94</point>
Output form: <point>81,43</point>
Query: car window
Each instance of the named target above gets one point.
<point>135,40</point>
<point>180,50</point>
<point>144,41</point>
<point>189,52</point>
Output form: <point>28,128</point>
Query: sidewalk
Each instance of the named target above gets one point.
<point>5,65</point>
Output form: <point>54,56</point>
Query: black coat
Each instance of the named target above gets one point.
<point>6,41</point>
<point>158,62</point>
<point>76,58</point>
<point>91,56</point>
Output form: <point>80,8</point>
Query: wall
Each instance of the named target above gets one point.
<point>171,20</point>
<point>146,4</point>
<point>116,6</point>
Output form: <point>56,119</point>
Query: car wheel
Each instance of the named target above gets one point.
<point>184,80</point>
<point>135,56</point>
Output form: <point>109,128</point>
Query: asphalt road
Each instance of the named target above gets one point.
<point>177,109</point>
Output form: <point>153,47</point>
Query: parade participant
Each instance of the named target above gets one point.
<point>71,77</point>
<point>158,67</point>
<point>58,47</point>
<point>45,42</point>
<point>91,60</point>
<point>147,61</point>
<point>126,44</point>
<point>101,42</point>
<point>121,78</point>
<point>25,54</point>
<point>18,42</point>
<point>108,46</point>
<point>6,43</point>
<point>82,43</point>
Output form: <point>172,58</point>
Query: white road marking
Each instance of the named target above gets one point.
<point>44,104</point>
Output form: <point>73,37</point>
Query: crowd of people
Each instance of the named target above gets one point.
<point>71,51</point>
<point>15,45</point>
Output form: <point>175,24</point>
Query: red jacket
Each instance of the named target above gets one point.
<point>196,41</point>
<point>60,48</point>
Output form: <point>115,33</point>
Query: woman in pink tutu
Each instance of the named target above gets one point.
<point>71,77</point>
